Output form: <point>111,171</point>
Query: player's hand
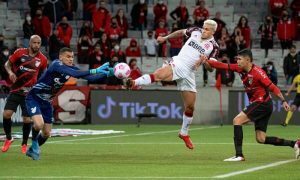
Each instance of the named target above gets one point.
<point>161,39</point>
<point>286,94</point>
<point>286,106</point>
<point>12,77</point>
<point>104,66</point>
<point>203,59</point>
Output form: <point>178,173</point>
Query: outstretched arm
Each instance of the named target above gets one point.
<point>225,66</point>
<point>175,34</point>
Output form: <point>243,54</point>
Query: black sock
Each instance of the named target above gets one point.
<point>34,133</point>
<point>26,131</point>
<point>41,139</point>
<point>7,127</point>
<point>279,142</point>
<point>238,140</point>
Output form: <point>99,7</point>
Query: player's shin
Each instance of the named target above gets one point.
<point>146,79</point>
<point>34,133</point>
<point>7,123</point>
<point>279,142</point>
<point>187,119</point>
<point>26,131</point>
<point>41,139</point>
<point>238,140</point>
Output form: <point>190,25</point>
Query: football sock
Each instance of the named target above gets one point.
<point>34,133</point>
<point>7,127</point>
<point>144,80</point>
<point>279,142</point>
<point>288,117</point>
<point>41,139</point>
<point>26,131</point>
<point>186,121</point>
<point>238,140</point>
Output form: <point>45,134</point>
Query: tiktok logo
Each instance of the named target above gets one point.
<point>105,110</point>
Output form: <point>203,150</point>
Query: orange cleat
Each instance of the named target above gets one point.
<point>7,144</point>
<point>187,140</point>
<point>24,148</point>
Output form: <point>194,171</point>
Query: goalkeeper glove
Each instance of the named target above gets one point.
<point>100,69</point>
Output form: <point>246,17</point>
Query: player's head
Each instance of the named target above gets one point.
<point>244,58</point>
<point>66,55</point>
<point>35,43</point>
<point>209,29</point>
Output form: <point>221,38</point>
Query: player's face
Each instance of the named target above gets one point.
<point>242,61</point>
<point>208,31</point>
<point>35,44</point>
<point>67,58</point>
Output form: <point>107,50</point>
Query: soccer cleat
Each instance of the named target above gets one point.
<point>283,124</point>
<point>297,149</point>
<point>235,159</point>
<point>187,140</point>
<point>34,151</point>
<point>129,83</point>
<point>7,144</point>
<point>24,148</point>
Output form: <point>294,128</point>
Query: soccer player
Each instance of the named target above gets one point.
<point>296,103</point>
<point>23,67</point>
<point>182,69</point>
<point>257,86</point>
<point>38,100</point>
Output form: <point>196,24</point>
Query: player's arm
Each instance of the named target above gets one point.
<point>224,66</point>
<point>8,67</point>
<point>175,34</point>
<point>77,73</point>
<point>275,90</point>
<point>95,77</point>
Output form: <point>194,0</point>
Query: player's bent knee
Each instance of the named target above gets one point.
<point>7,114</point>
<point>38,126</point>
<point>260,140</point>
<point>237,121</point>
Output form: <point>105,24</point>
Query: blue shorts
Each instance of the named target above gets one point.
<point>37,106</point>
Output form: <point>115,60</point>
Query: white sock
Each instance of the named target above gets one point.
<point>186,122</point>
<point>143,80</point>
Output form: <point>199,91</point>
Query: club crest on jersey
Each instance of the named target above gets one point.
<point>23,59</point>
<point>37,63</point>
<point>250,79</point>
<point>206,46</point>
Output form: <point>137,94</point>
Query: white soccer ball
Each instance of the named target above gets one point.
<point>122,70</point>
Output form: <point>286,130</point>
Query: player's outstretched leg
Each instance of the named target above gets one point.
<point>238,142</point>
<point>283,142</point>
<point>7,123</point>
<point>146,79</point>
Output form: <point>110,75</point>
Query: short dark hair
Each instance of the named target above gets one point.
<point>65,49</point>
<point>246,52</point>
<point>293,46</point>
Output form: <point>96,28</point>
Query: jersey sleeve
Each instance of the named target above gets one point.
<point>225,66</point>
<point>188,31</point>
<point>264,79</point>
<point>214,53</point>
<point>70,70</point>
<point>15,56</point>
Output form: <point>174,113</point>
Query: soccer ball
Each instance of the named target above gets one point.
<point>122,70</point>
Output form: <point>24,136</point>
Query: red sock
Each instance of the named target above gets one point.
<point>152,78</point>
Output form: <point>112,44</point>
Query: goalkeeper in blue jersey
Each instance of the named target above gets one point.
<point>38,100</point>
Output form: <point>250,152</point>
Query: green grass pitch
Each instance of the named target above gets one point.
<point>154,152</point>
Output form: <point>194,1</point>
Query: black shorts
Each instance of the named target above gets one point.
<point>260,114</point>
<point>13,101</point>
<point>296,101</point>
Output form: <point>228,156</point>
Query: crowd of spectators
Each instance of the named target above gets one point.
<point>99,38</point>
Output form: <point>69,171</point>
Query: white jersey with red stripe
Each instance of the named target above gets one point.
<point>194,47</point>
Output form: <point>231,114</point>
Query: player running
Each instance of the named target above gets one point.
<point>38,100</point>
<point>182,69</point>
<point>257,86</point>
<point>23,66</point>
<point>296,102</point>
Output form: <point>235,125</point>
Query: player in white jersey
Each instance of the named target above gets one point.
<point>182,68</point>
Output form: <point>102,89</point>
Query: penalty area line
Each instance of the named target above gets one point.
<point>254,169</point>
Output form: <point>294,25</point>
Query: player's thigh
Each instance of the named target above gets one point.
<point>38,121</point>
<point>189,98</point>
<point>47,130</point>
<point>24,108</point>
<point>12,103</point>
<point>241,119</point>
<point>164,73</point>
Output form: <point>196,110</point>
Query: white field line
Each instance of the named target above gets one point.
<point>254,168</point>
<point>124,135</point>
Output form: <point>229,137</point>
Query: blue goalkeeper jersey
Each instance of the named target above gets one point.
<point>55,77</point>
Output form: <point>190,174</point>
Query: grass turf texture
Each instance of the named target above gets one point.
<point>152,151</point>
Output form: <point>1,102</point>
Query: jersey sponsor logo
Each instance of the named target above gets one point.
<point>196,46</point>
<point>33,110</point>
<point>37,63</point>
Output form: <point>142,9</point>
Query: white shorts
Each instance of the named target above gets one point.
<point>185,78</point>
